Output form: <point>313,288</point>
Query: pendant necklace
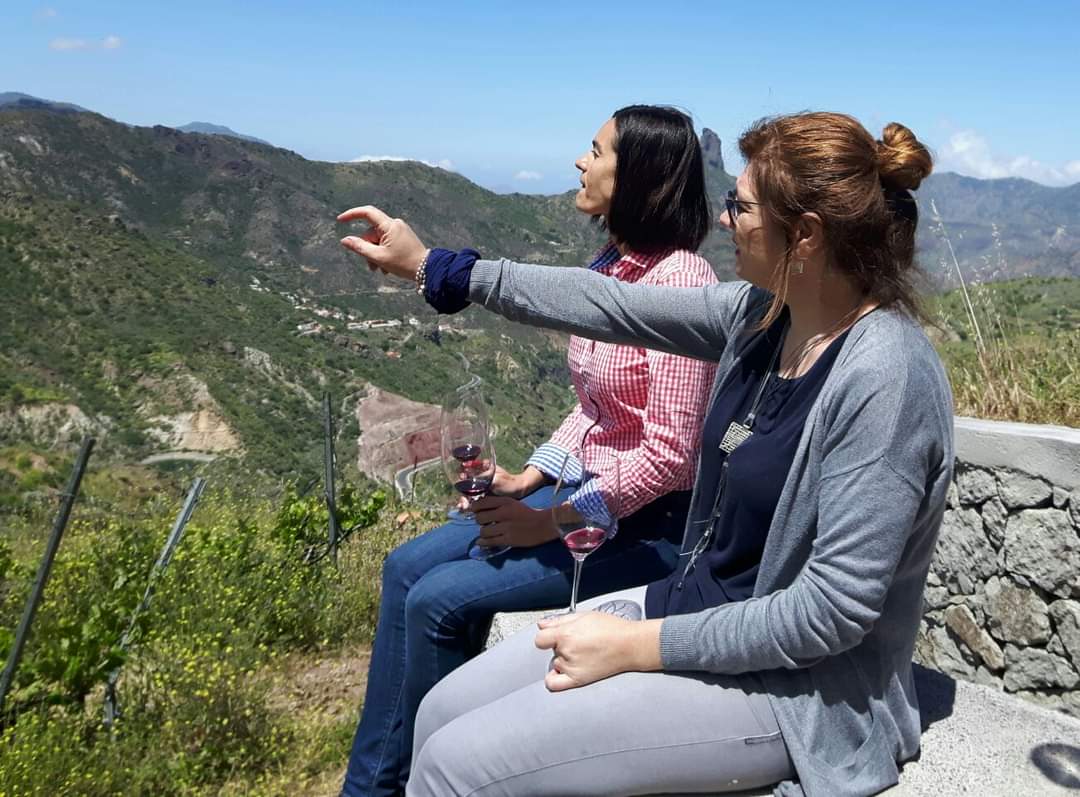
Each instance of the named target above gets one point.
<point>736,434</point>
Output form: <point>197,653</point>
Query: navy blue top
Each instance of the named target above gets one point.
<point>756,471</point>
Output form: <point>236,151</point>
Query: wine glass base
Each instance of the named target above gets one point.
<point>459,518</point>
<point>480,552</point>
<point>558,613</point>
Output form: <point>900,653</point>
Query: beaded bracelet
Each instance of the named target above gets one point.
<point>421,274</point>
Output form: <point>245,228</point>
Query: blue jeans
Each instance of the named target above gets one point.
<point>437,603</point>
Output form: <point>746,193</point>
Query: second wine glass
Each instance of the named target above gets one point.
<point>468,455</point>
<point>464,415</point>
<point>584,536</point>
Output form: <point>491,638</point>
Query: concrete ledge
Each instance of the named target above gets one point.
<point>975,740</point>
<point>1049,452</point>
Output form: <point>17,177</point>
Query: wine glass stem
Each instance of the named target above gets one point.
<point>578,562</point>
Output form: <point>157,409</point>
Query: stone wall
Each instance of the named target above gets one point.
<point>1002,604</point>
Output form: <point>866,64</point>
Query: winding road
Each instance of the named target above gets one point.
<point>178,456</point>
<point>403,479</point>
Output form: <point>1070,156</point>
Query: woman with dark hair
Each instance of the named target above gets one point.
<point>779,651</point>
<point>643,176</point>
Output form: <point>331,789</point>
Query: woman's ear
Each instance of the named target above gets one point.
<point>809,237</point>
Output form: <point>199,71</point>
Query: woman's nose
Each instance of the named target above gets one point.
<point>725,220</point>
<point>580,164</point>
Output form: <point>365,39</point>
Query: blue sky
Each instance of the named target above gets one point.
<point>510,94</point>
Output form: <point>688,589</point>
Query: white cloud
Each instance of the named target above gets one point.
<point>110,42</point>
<point>969,153</point>
<point>525,174</point>
<point>69,44</point>
<point>445,163</point>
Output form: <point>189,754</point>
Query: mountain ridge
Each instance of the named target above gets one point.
<point>710,140</point>
<point>19,100</point>
<point>275,205</point>
<point>219,130</point>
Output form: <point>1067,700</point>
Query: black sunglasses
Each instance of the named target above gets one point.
<point>732,203</point>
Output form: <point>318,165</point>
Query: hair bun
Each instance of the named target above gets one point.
<point>903,162</point>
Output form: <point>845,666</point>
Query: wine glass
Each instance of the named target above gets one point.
<point>464,409</point>
<point>468,457</point>
<point>584,536</point>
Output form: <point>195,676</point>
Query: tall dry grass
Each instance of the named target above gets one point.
<point>1031,379</point>
<point>1012,349</point>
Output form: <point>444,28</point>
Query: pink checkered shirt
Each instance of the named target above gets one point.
<point>649,405</point>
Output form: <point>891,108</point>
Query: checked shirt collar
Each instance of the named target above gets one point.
<point>629,267</point>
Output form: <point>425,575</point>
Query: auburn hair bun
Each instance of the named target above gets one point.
<point>903,161</point>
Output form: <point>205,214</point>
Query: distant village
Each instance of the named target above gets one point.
<point>352,322</point>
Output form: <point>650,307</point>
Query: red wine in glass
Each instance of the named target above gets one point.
<point>466,453</point>
<point>582,542</point>
<point>473,488</point>
<point>465,432</point>
<point>585,536</point>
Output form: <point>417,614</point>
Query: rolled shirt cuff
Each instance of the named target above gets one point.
<point>589,503</point>
<point>549,458</point>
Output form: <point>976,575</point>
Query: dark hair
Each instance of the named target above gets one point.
<point>659,200</point>
<point>828,164</point>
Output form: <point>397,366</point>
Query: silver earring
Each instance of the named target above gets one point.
<point>798,267</point>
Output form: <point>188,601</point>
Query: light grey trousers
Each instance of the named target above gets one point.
<point>492,728</point>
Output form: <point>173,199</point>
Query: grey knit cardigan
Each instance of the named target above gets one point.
<point>830,630</point>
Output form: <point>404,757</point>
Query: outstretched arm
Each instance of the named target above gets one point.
<point>694,322</point>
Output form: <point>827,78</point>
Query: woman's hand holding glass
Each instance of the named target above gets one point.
<point>517,485</point>
<point>507,521</point>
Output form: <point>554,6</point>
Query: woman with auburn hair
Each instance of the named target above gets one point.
<point>779,651</point>
<point>643,175</point>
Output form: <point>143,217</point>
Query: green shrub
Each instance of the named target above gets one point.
<point>96,582</point>
<point>196,712</point>
<point>31,480</point>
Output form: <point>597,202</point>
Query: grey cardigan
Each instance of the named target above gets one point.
<point>830,630</point>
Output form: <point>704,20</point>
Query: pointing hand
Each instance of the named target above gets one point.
<point>389,244</point>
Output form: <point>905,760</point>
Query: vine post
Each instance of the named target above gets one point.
<point>23,632</point>
<point>333,534</point>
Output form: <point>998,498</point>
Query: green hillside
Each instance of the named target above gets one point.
<point>151,267</point>
<point>115,322</point>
